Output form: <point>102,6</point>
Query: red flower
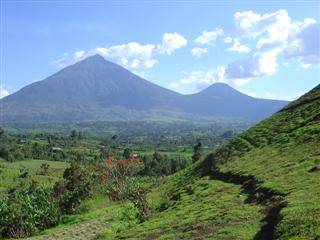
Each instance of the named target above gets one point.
<point>104,175</point>
<point>109,163</point>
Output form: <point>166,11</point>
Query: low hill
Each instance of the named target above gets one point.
<point>96,89</point>
<point>222,100</point>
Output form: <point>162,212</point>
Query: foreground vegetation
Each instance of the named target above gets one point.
<point>262,184</point>
<point>59,171</point>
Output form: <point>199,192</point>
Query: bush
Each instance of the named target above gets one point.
<point>44,168</point>
<point>28,210</point>
<point>162,165</point>
<point>73,189</point>
<point>121,183</point>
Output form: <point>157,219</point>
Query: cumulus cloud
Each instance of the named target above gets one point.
<point>62,61</point>
<point>132,55</point>
<point>228,40</point>
<point>276,25</point>
<point>171,42</point>
<point>174,84</point>
<point>238,47</point>
<point>209,37</point>
<point>68,59</point>
<point>3,92</point>
<point>270,36</point>
<point>201,79</point>
<point>305,43</point>
<point>275,34</point>
<point>256,65</point>
<point>79,55</point>
<point>198,52</point>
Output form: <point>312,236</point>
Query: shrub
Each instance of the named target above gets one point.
<point>28,210</point>
<point>197,150</point>
<point>73,189</point>
<point>44,168</point>
<point>119,175</point>
<point>160,165</point>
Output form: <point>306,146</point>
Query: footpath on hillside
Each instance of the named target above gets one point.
<point>90,229</point>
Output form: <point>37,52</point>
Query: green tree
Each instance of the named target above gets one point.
<point>123,184</point>
<point>73,189</point>
<point>74,135</point>
<point>44,168</point>
<point>26,210</point>
<point>127,153</point>
<point>197,149</point>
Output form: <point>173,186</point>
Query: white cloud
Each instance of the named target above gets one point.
<point>171,42</point>
<point>228,40</point>
<point>305,65</point>
<point>66,59</point>
<point>132,55</point>
<point>62,61</point>
<point>275,34</point>
<point>79,55</point>
<point>174,84</point>
<point>251,94</point>
<point>304,43</point>
<point>208,38</point>
<point>276,25</point>
<point>142,74</point>
<point>238,47</point>
<point>237,82</point>
<point>201,79</point>
<point>3,92</point>
<point>294,97</point>
<point>269,95</point>
<point>256,65</point>
<point>198,52</point>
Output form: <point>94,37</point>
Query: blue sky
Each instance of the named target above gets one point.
<point>268,49</point>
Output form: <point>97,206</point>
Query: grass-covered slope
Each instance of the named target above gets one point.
<point>282,153</point>
<point>262,184</point>
<point>191,206</point>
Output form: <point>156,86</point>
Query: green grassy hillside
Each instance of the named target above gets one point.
<point>283,155</point>
<point>263,184</point>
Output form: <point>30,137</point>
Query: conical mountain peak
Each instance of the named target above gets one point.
<point>97,89</point>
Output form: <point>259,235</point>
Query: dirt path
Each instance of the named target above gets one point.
<point>85,230</point>
<point>272,201</point>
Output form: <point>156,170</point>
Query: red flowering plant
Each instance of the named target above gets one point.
<point>121,183</point>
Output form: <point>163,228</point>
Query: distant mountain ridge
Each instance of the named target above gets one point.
<point>96,89</point>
